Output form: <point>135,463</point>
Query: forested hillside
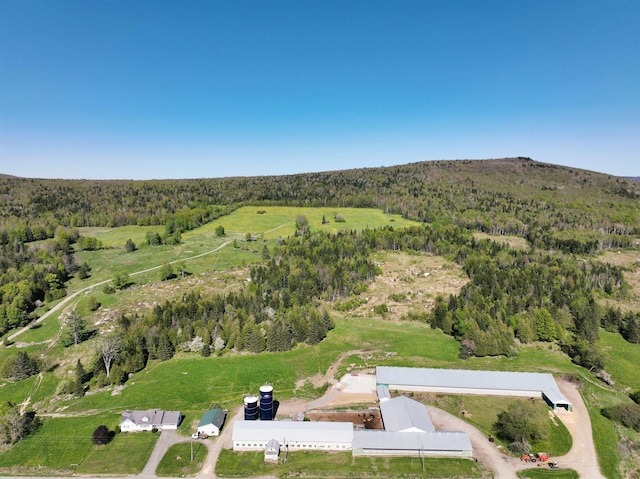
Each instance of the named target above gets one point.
<point>553,206</point>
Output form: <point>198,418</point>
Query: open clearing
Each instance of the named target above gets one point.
<point>409,282</point>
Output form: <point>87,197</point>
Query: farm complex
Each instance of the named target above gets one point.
<point>408,429</point>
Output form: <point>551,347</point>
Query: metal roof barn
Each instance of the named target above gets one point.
<point>462,381</point>
<point>436,443</point>
<point>402,414</point>
<point>295,435</point>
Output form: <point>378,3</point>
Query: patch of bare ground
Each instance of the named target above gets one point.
<point>630,261</point>
<point>410,283</point>
<point>369,418</point>
<point>515,242</point>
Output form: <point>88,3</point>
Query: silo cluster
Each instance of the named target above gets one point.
<point>265,409</point>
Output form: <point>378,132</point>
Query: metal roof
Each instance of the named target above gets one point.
<point>464,378</point>
<point>403,414</point>
<point>383,392</point>
<point>423,441</point>
<point>284,431</point>
<point>215,416</point>
<point>155,417</point>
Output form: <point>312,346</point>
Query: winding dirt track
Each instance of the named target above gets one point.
<point>74,295</point>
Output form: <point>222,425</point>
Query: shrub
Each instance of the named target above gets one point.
<point>381,309</point>
<point>626,414</point>
<point>102,435</point>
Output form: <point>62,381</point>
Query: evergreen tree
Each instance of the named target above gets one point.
<point>76,329</point>
<point>79,381</point>
<point>129,246</point>
<point>101,435</point>
<point>165,347</point>
<point>21,366</point>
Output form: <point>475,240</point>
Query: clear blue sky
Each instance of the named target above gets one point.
<point>188,89</point>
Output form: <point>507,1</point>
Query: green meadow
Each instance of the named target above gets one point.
<point>339,465</point>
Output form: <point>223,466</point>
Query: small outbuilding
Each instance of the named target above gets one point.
<point>211,422</point>
<point>272,451</point>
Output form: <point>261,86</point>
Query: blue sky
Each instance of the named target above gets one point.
<point>189,89</point>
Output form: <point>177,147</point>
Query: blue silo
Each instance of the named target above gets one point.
<point>266,402</point>
<point>251,411</point>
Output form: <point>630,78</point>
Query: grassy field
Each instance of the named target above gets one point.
<point>622,360</point>
<point>280,221</point>
<point>543,473</point>
<point>343,465</point>
<point>482,412</point>
<point>184,459</point>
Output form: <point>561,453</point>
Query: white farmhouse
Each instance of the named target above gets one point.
<point>136,421</point>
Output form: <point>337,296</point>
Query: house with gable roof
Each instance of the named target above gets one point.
<point>137,421</point>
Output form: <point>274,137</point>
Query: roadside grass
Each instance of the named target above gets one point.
<point>177,460</point>
<point>482,412</point>
<point>542,473</point>
<point>604,434</point>
<point>343,465</point>
<point>622,360</point>
<point>41,332</point>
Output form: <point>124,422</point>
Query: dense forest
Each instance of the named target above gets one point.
<point>514,296</point>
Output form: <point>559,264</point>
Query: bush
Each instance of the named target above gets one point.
<point>626,414</point>
<point>635,397</point>
<point>102,435</point>
<point>381,309</point>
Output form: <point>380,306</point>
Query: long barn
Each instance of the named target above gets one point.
<point>462,381</point>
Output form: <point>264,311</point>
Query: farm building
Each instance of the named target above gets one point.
<point>460,381</point>
<point>402,414</point>
<point>211,422</point>
<point>294,435</point>
<point>368,442</point>
<point>136,421</point>
<point>272,451</point>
